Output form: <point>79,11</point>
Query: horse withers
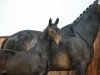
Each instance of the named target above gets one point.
<point>35,61</point>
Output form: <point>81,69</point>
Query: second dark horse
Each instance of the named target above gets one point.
<point>76,53</point>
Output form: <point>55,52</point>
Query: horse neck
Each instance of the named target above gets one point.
<point>43,45</point>
<point>87,27</point>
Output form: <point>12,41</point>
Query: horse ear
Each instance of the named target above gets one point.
<point>56,22</point>
<point>50,21</point>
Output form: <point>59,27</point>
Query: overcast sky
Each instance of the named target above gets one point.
<point>17,15</point>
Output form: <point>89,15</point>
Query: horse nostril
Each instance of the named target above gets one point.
<point>60,43</point>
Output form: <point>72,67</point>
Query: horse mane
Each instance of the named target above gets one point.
<point>90,6</point>
<point>40,37</point>
<point>77,19</point>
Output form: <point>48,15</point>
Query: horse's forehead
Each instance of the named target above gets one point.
<point>52,28</point>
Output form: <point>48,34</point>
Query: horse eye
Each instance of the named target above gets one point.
<point>51,31</point>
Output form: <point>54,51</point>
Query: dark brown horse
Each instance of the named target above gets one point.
<point>35,61</point>
<point>78,37</point>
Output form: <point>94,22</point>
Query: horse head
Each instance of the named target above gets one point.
<point>54,32</point>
